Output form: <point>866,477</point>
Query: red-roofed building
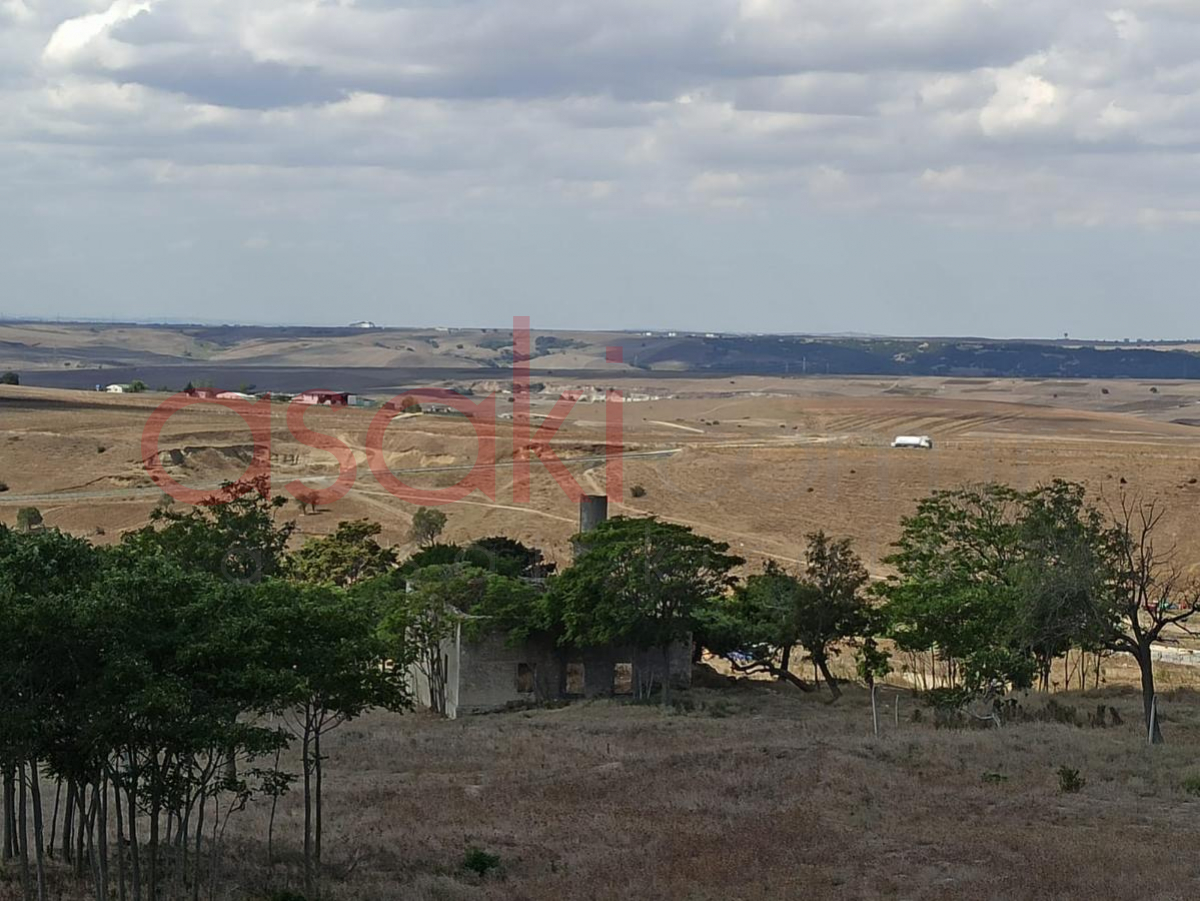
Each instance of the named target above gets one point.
<point>326,398</point>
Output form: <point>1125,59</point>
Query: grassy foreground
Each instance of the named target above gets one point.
<point>754,792</point>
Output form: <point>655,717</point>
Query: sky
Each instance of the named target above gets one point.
<point>980,167</point>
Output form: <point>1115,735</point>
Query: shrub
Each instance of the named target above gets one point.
<point>1069,780</point>
<point>637,491</point>
<point>1191,785</point>
<point>480,862</point>
<point>994,778</point>
<point>10,378</point>
<point>3,486</point>
<point>29,518</point>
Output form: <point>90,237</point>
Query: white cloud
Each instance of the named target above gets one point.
<point>1029,110</point>
<point>75,36</point>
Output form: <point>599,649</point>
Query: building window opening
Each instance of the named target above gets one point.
<point>575,681</point>
<point>623,679</point>
<point>524,678</point>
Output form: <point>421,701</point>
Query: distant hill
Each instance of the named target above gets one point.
<point>74,353</point>
<point>901,357</point>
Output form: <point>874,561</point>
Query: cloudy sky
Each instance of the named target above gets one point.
<point>996,167</point>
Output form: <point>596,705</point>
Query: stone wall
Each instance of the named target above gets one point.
<point>490,674</point>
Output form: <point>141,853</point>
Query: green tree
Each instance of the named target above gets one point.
<point>40,572</point>
<point>953,596</point>
<point>515,606</point>
<point>29,519</point>
<point>830,607</point>
<point>9,378</point>
<point>423,612</point>
<point>642,582</point>
<point>436,554</point>
<point>427,526</point>
<point>508,557</point>
<point>233,534</point>
<point>1063,576</point>
<point>347,556</point>
<point>137,386</point>
<point>329,643</point>
<point>757,628</point>
<point>775,613</point>
<point>872,663</point>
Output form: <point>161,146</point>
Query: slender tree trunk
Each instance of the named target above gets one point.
<point>116,786</point>
<point>152,881</point>
<point>199,840</point>
<point>271,820</point>
<point>785,662</point>
<point>823,666</point>
<point>54,819</point>
<point>68,825</point>
<point>87,819</point>
<point>23,831</point>
<point>179,852</point>
<point>306,765</point>
<point>317,806</point>
<point>135,853</point>
<point>874,710</point>
<point>80,827</point>
<point>666,675</point>
<point>1146,666</point>
<point>39,832</point>
<point>214,843</point>
<point>101,801</point>
<point>10,814</point>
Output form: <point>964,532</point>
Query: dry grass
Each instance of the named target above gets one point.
<point>754,793</point>
<point>746,791</point>
<point>759,462</point>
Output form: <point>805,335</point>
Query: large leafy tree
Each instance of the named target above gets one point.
<point>830,606</point>
<point>235,533</point>
<point>40,573</point>
<point>756,629</point>
<point>328,643</point>
<point>642,582</point>
<point>774,614</point>
<point>1063,576</point>
<point>508,557</point>
<point>423,612</point>
<point>349,555</point>
<point>172,677</point>
<point>953,594</point>
<point>436,554</point>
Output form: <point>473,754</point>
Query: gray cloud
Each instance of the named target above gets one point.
<point>1043,115</point>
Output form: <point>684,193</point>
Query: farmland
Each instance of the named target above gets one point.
<point>754,461</point>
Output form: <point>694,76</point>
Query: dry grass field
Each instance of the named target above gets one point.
<point>756,462</point>
<point>754,792</point>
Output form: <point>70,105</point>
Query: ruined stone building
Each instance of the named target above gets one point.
<point>488,673</point>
